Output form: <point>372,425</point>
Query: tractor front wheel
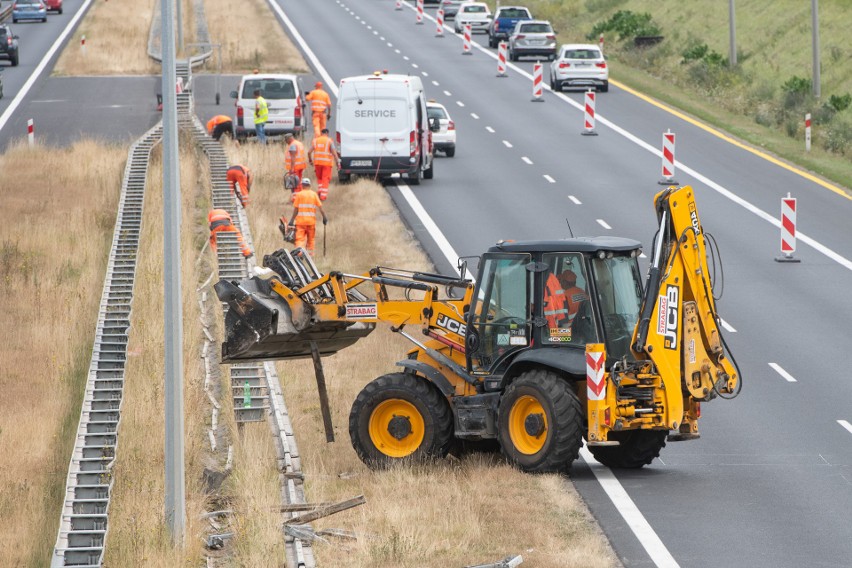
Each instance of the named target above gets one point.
<point>540,423</point>
<point>400,417</point>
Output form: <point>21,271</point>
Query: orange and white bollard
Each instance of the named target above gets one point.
<point>788,230</point>
<point>419,12</point>
<point>398,5</point>
<point>808,132</point>
<point>439,18</point>
<point>30,132</point>
<point>466,44</point>
<point>502,47</point>
<point>83,44</point>
<point>589,115</point>
<point>537,83</point>
<point>668,159</point>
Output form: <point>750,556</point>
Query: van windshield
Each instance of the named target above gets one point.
<point>381,114</point>
<point>273,89</point>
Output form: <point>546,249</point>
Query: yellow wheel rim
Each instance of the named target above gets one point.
<point>396,428</point>
<point>528,425</point>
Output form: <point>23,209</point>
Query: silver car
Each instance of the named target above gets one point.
<point>579,65</point>
<point>532,38</point>
<point>451,8</point>
<point>444,137</point>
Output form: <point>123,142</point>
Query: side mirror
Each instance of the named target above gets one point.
<point>233,94</point>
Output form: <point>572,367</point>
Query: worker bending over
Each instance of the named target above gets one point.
<point>295,161</point>
<point>323,155</point>
<point>220,221</point>
<point>306,203</point>
<point>239,176</point>
<point>320,107</point>
<point>219,125</point>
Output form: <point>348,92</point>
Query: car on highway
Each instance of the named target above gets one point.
<point>444,136</point>
<point>477,14</point>
<point>532,38</point>
<point>283,98</point>
<point>8,45</point>
<point>29,10</point>
<point>54,6</point>
<point>504,21</point>
<point>451,8</point>
<point>579,65</point>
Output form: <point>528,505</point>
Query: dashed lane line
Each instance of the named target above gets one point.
<point>489,129</point>
<point>574,200</point>
<point>549,178</point>
<point>603,224</point>
<point>527,160</point>
<point>787,376</point>
<point>507,144</point>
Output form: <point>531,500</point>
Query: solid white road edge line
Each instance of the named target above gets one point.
<point>13,106</point>
<point>787,376</point>
<point>613,488</point>
<point>846,425</point>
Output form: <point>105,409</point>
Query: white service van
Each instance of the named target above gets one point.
<point>383,127</point>
<point>283,97</point>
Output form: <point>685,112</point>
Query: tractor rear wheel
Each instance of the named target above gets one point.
<point>636,448</point>
<point>540,423</point>
<point>400,417</point>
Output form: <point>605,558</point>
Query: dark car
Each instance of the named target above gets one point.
<point>8,45</point>
<point>505,18</point>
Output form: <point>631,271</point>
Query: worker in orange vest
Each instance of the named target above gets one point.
<point>323,155</point>
<point>219,125</point>
<point>320,107</point>
<point>239,175</point>
<point>574,295</point>
<point>220,221</point>
<point>295,161</point>
<point>555,310</point>
<point>306,203</point>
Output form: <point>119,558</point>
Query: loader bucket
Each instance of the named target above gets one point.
<point>260,326</point>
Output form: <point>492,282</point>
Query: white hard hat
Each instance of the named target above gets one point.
<point>306,182</point>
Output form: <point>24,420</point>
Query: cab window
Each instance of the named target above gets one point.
<point>565,296</point>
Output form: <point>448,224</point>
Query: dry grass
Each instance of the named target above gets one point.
<point>138,534</point>
<point>441,514</point>
<point>53,247</point>
<point>263,45</point>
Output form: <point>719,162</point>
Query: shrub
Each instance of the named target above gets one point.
<point>840,102</point>
<point>627,24</point>
<point>695,53</point>
<point>796,91</point>
<point>838,135</point>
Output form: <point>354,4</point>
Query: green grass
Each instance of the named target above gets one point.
<point>750,101</point>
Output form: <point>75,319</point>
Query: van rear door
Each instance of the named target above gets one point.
<point>373,124</point>
<point>282,97</point>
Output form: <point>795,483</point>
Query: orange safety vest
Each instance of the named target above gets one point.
<point>306,203</point>
<point>554,302</point>
<point>320,101</point>
<point>216,121</point>
<point>300,163</point>
<point>323,151</point>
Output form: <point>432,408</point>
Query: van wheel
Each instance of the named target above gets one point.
<point>343,178</point>
<point>414,177</point>
<point>430,171</point>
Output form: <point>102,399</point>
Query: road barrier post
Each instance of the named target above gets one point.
<point>398,5</point>
<point>419,12</point>
<point>788,230</point>
<point>30,133</point>
<point>440,20</point>
<point>466,45</point>
<point>537,83</point>
<point>589,114</point>
<point>668,158</point>
<point>501,59</point>
<point>601,42</point>
<point>83,44</point>
<point>808,132</point>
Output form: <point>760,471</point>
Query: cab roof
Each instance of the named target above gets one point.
<point>578,244</point>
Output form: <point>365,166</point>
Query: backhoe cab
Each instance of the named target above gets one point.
<point>557,341</point>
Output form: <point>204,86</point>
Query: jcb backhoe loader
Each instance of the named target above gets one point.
<point>555,342</point>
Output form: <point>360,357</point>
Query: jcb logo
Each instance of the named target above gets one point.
<point>669,317</point>
<point>693,215</point>
<point>451,325</point>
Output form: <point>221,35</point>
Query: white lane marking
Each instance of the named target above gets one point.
<point>635,520</point>
<point>404,56</point>
<point>574,200</point>
<point>507,144</point>
<point>643,255</point>
<point>549,178</point>
<point>449,94</point>
<point>382,38</point>
<point>369,27</point>
<point>375,32</point>
<point>787,376</point>
<point>13,106</point>
<point>728,327</point>
<point>436,83</point>
<point>397,51</point>
<point>415,65</point>
<point>655,548</point>
<point>474,115</point>
<point>603,224</point>
<point>461,104</point>
<point>390,44</point>
<point>424,73</point>
<point>489,129</point>
<point>526,160</point>
<point>846,425</point>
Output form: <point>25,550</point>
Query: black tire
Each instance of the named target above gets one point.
<point>14,21</point>
<point>563,423</point>
<point>404,393</point>
<point>414,177</point>
<point>429,173</point>
<point>491,41</point>
<point>605,87</point>
<point>512,56</point>
<point>343,178</point>
<point>14,60</point>
<point>553,84</point>
<point>636,449</point>
<point>60,10</point>
<point>451,152</point>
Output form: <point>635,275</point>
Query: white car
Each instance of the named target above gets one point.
<point>579,65</point>
<point>283,97</point>
<point>444,138</point>
<point>477,14</point>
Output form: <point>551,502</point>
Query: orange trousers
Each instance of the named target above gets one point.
<point>229,228</point>
<point>306,235</point>
<point>323,176</point>
<point>319,123</point>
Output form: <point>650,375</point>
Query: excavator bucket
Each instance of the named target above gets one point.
<point>260,325</point>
